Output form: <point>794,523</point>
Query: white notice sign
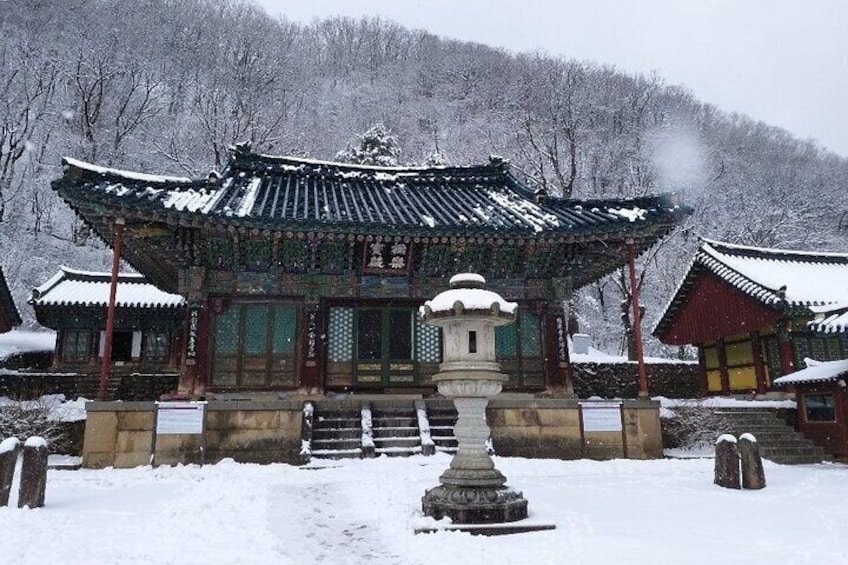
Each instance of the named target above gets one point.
<point>179,417</point>
<point>601,416</point>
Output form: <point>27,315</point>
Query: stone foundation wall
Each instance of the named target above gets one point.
<point>122,434</point>
<point>551,428</point>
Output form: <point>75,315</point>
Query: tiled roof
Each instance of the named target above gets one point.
<point>70,287</point>
<point>778,278</point>
<point>7,305</point>
<point>302,194</point>
<point>816,372</point>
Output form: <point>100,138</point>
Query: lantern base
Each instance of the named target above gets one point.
<point>470,505</point>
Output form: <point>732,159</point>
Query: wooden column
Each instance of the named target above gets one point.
<point>787,361</point>
<point>702,363</point>
<point>555,349</point>
<point>637,319</point>
<point>722,366</point>
<point>110,311</point>
<point>759,363</point>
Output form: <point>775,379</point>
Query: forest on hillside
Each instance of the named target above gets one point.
<point>165,86</point>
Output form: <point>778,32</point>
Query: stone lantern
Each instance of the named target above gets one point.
<point>472,491</point>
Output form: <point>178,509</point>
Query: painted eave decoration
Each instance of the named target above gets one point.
<point>71,287</point>
<point>287,193</point>
<point>800,282</point>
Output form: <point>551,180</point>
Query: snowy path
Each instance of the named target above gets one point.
<point>333,530</point>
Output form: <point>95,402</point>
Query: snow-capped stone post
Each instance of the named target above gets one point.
<point>726,462</point>
<point>472,491</point>
<point>753,475</point>
<point>33,473</point>
<point>9,449</point>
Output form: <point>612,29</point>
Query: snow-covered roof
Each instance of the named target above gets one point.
<point>831,323</point>
<point>71,287</point>
<point>816,372</point>
<point>778,278</point>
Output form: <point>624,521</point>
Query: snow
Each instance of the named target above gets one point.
<point>365,511</point>
<point>60,409</point>
<point>19,341</point>
<point>35,441</point>
<point>144,177</point>
<point>748,437</point>
<point>816,371</point>
<point>9,444</point>
<point>631,214</point>
<point>471,299</point>
<point>726,438</point>
<point>812,282</point>
<point>132,291</point>
<point>249,198</point>
<point>467,277</point>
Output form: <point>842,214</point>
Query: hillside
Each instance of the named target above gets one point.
<point>165,86</point>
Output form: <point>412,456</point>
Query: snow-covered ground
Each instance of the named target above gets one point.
<point>365,511</point>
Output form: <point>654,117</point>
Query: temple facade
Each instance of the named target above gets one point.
<point>303,274</point>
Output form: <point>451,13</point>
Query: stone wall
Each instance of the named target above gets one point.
<point>121,434</point>
<point>621,380</point>
<point>552,428</point>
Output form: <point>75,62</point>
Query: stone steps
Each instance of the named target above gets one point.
<point>778,442</point>
<point>395,431</point>
<point>442,421</point>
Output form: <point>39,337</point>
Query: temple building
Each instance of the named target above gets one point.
<point>303,274</point>
<point>148,323</point>
<point>9,316</point>
<point>756,314</point>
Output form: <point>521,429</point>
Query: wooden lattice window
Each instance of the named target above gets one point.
<point>154,347</point>
<point>75,345</point>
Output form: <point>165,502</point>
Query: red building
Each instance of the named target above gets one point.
<point>9,316</point>
<point>748,310</point>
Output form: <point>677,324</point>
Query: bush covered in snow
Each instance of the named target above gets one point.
<point>46,417</point>
<point>691,425</point>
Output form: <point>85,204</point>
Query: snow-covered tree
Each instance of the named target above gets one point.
<point>377,146</point>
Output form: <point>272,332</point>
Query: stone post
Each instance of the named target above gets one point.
<point>9,449</point>
<point>726,462</point>
<point>33,473</point>
<point>753,475</point>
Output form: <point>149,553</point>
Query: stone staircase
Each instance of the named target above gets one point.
<point>442,418</point>
<point>336,433</point>
<point>395,430</point>
<point>778,441</point>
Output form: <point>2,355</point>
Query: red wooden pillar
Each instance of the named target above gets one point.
<point>637,319</point>
<point>787,362</point>
<point>759,362</point>
<point>556,359</point>
<point>312,346</point>
<point>195,340</point>
<point>702,363</point>
<point>110,311</point>
<point>722,366</point>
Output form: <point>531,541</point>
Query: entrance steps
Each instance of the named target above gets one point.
<point>369,428</point>
<point>778,442</point>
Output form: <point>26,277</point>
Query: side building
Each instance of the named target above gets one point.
<point>147,338</point>
<point>748,310</point>
<point>9,316</point>
<point>303,274</point>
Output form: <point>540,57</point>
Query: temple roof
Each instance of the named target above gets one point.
<point>785,280</point>
<point>70,287</point>
<point>816,372</point>
<point>7,305</point>
<point>270,192</point>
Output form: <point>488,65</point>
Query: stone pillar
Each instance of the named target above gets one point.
<point>9,449</point>
<point>753,475</point>
<point>726,462</point>
<point>33,473</point>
